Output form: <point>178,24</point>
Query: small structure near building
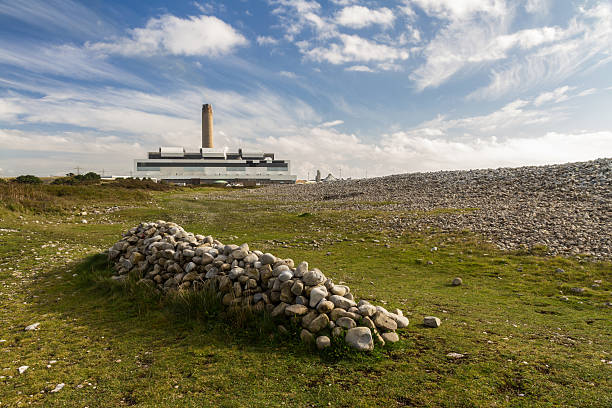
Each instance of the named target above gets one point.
<point>210,166</point>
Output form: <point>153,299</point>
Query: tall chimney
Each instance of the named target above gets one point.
<point>207,126</point>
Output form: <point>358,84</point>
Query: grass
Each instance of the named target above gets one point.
<point>527,338</point>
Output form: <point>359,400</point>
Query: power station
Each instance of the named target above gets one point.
<point>210,165</point>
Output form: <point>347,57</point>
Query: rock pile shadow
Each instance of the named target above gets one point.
<point>166,257</point>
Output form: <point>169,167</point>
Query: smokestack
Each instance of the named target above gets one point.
<point>207,126</point>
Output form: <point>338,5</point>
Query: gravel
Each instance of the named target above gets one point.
<point>563,209</point>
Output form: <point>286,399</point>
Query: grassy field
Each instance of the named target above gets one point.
<point>527,338</point>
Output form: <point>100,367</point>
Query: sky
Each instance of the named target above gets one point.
<point>352,87</point>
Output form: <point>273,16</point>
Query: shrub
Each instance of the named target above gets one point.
<point>28,179</point>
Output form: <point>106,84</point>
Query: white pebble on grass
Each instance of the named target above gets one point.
<point>58,387</point>
<point>23,369</point>
<point>33,326</point>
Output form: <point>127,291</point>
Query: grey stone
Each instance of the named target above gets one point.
<point>390,337</point>
<point>319,323</point>
<point>316,295</point>
<point>457,281</point>
<point>297,288</point>
<point>296,310</point>
<point>367,310</point>
<point>341,302</point>
<point>301,269</point>
<point>360,338</point>
<point>384,322</point>
<point>325,306</point>
<point>284,276</point>
<point>267,259</point>
<point>401,321</point>
<point>346,322</point>
<point>313,278</point>
<point>339,290</point>
<point>307,337</point>
<point>33,326</point>
<point>431,321</point>
<point>235,272</point>
<point>323,342</point>
<point>279,310</point>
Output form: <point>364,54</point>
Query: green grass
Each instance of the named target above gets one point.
<point>528,340</point>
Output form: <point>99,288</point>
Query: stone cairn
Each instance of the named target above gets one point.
<point>165,256</point>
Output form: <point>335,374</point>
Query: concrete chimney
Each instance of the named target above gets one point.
<point>207,126</point>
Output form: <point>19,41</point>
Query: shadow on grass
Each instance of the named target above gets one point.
<point>127,304</point>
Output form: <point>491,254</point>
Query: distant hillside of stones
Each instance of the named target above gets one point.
<point>567,208</point>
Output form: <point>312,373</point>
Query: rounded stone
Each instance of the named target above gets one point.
<point>360,338</point>
<point>313,278</point>
<point>319,323</point>
<point>323,342</point>
<point>457,281</point>
<point>346,322</point>
<point>316,295</point>
<point>390,337</point>
<point>285,276</point>
<point>325,306</point>
<point>307,337</point>
<point>267,259</point>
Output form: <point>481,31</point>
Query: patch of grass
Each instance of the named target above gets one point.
<point>526,337</point>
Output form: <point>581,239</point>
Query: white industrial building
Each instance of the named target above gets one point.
<point>208,165</point>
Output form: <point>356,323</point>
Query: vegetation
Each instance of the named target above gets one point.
<point>27,179</point>
<point>527,338</point>
<point>71,178</point>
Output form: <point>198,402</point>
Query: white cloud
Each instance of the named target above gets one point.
<point>332,123</point>
<point>202,35</point>
<point>9,110</point>
<point>288,74</point>
<point>555,96</point>
<point>360,17</point>
<point>359,68</point>
<point>354,48</point>
<point>587,92</point>
<point>537,6</point>
<point>459,9</point>
<point>266,40</point>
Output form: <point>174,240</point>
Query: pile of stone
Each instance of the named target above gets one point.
<point>163,255</point>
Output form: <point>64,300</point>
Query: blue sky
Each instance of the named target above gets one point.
<point>383,87</point>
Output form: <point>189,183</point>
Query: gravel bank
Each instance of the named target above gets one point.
<point>567,208</point>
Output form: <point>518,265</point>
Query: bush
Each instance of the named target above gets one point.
<point>28,179</point>
<point>72,179</point>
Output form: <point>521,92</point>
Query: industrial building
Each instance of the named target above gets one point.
<point>209,165</point>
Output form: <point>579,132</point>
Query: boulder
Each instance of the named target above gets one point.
<point>360,338</point>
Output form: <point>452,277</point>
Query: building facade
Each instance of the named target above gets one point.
<point>210,166</point>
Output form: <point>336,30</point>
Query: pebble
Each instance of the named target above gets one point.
<point>23,369</point>
<point>457,281</point>
<point>58,387</point>
<point>33,326</point>
<point>431,321</point>
<point>455,355</point>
